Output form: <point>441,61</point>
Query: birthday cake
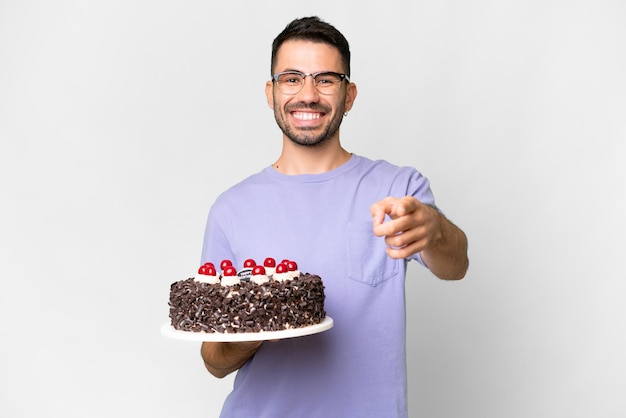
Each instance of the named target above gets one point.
<point>264,297</point>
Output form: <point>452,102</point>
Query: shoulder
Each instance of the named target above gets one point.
<point>388,171</point>
<point>382,166</point>
<point>397,180</point>
<point>246,189</point>
<point>249,183</point>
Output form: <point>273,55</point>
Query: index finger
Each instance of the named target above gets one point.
<point>380,209</point>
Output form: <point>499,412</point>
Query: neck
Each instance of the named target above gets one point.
<point>299,159</point>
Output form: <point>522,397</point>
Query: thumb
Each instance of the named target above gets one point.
<point>403,207</point>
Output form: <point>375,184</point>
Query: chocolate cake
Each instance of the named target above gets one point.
<point>247,301</point>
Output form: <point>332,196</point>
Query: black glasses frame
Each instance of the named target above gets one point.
<point>313,76</point>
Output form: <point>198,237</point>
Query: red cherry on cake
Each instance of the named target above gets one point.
<point>203,268</point>
<point>208,269</point>
<point>269,262</point>
<point>258,270</point>
<point>230,271</point>
<point>292,266</point>
<point>225,263</point>
<point>249,263</point>
<point>282,268</point>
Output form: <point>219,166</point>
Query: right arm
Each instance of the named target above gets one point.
<point>221,359</point>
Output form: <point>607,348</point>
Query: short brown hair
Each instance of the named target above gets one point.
<point>316,30</point>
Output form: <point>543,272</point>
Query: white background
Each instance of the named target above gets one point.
<point>121,121</point>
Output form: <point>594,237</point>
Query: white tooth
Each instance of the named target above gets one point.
<point>306,115</point>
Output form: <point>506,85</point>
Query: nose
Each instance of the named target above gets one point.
<point>309,92</point>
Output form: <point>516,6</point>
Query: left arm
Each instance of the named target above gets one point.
<point>419,228</point>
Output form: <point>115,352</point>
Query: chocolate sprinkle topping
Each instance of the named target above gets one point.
<point>247,306</point>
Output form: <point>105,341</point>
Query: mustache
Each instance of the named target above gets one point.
<point>307,106</point>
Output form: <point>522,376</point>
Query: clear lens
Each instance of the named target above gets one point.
<point>328,83</point>
<point>290,83</point>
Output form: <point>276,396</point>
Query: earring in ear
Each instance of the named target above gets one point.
<point>345,114</point>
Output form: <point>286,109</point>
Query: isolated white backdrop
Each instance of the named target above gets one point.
<point>121,121</point>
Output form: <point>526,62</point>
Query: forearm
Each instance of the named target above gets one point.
<point>447,257</point>
<point>221,359</point>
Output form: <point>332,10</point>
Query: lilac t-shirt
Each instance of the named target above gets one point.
<point>323,222</point>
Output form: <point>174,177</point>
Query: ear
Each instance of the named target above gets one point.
<point>351,93</point>
<point>269,93</point>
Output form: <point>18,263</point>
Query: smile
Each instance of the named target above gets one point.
<point>306,115</point>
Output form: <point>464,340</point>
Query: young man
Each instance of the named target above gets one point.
<point>353,221</point>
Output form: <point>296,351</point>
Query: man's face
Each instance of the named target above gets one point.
<point>309,117</point>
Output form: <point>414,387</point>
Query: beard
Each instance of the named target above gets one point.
<point>308,136</point>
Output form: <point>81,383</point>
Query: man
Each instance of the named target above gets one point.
<point>353,221</point>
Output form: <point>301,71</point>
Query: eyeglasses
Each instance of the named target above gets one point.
<point>325,82</point>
